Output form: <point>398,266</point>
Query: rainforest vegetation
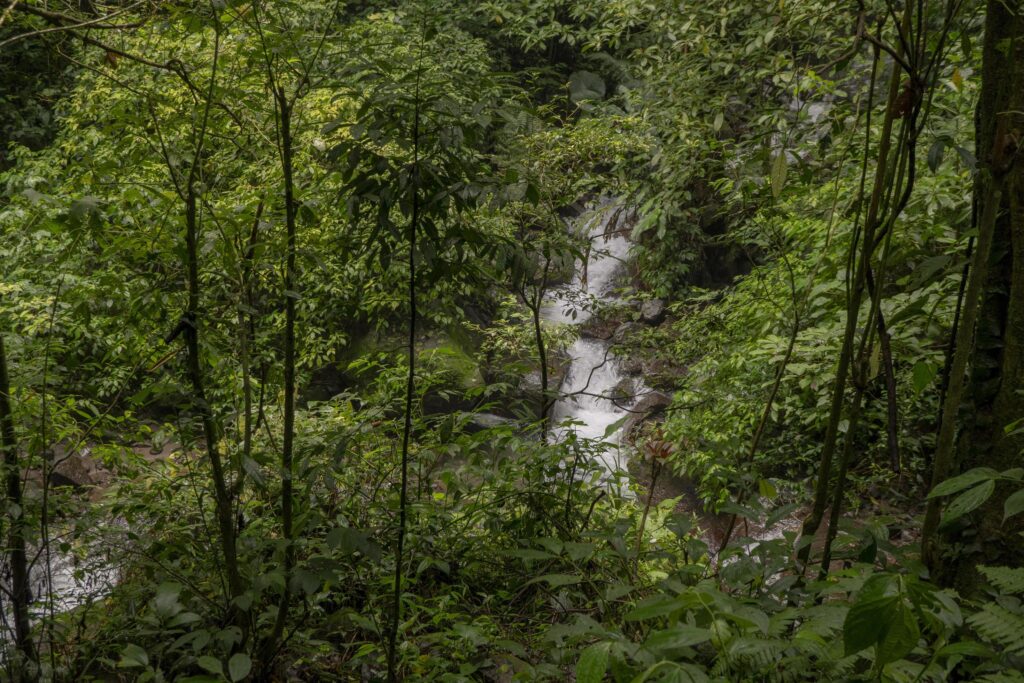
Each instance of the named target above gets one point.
<point>512,340</point>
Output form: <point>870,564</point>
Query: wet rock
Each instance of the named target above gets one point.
<point>78,470</point>
<point>73,470</point>
<point>650,406</point>
<point>481,421</point>
<point>624,331</point>
<point>622,392</point>
<point>598,329</point>
<point>631,367</point>
<point>653,402</point>
<point>652,311</point>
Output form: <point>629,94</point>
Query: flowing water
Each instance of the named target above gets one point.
<point>585,398</point>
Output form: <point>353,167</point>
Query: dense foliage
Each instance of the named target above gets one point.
<point>278,371</point>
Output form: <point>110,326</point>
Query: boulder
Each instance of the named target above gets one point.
<point>652,311</point>
<point>631,367</point>
<point>596,328</point>
<point>78,470</point>
<point>478,422</point>
<point>72,470</point>
<point>622,392</point>
<point>624,331</point>
<point>649,406</point>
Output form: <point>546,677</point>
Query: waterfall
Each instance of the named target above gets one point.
<point>587,390</point>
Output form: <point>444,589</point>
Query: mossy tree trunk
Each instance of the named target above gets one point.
<point>20,594</point>
<point>997,379</point>
<point>993,391</point>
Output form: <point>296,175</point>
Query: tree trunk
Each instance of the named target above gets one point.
<point>860,255</point>
<point>284,106</point>
<point>992,397</point>
<point>21,595</point>
<point>211,430</point>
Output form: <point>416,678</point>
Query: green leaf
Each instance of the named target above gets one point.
<point>592,664</point>
<point>80,208</point>
<point>529,554</point>
<point>680,635</point>
<point>865,623</point>
<point>967,156</point>
<point>165,603</point>
<point>239,666</point>
<point>306,214</point>
<point>133,656</point>
<point>900,637</point>
<point>556,580</point>
<point>532,194</point>
<point>923,374</point>
<point>935,153</point>
<point>967,501</point>
<point>1006,579</point>
<point>1014,505</point>
<point>614,426</point>
<point>654,606</point>
<point>211,664</point>
<point>778,177</point>
<point>968,648</point>
<point>969,478</point>
<point>586,85</point>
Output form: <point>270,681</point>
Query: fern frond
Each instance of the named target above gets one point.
<point>824,620</point>
<point>1008,676</point>
<point>999,626</point>
<point>1006,579</point>
<point>779,623</point>
<point>756,653</point>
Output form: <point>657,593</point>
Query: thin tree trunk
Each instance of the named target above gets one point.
<point>288,439</point>
<point>188,327</point>
<point>246,342</point>
<point>542,356</point>
<point>944,450</point>
<point>410,388</point>
<point>211,431</point>
<point>892,407</point>
<point>854,300</point>
<point>21,596</point>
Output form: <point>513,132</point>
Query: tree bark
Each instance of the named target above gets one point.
<point>211,429</point>
<point>21,596</point>
<point>990,385</point>
<point>284,107</point>
<point>855,297</point>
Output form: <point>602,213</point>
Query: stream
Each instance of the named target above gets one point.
<point>585,404</point>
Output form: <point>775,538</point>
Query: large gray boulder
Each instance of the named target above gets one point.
<point>650,406</point>
<point>652,311</point>
<point>624,331</point>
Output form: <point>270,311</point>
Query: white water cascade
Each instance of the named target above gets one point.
<point>585,397</point>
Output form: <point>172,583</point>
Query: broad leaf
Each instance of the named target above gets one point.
<point>900,636</point>
<point>969,478</point>
<point>680,635</point>
<point>969,500</point>
<point>239,666</point>
<point>1014,505</point>
<point>778,176</point>
<point>654,606</point>
<point>592,664</point>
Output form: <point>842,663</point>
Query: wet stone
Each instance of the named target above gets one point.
<point>652,311</point>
